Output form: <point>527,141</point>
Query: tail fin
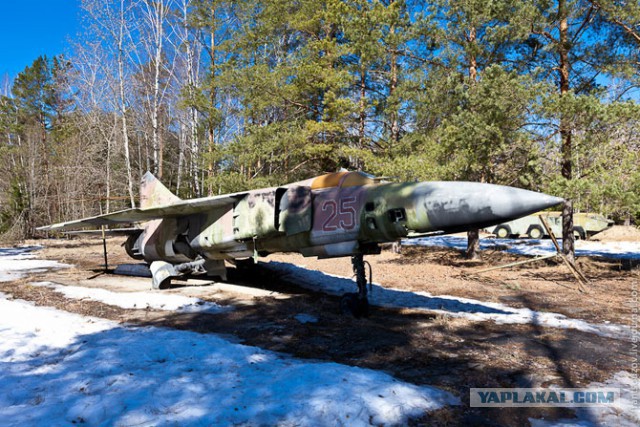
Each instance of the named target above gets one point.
<point>154,193</point>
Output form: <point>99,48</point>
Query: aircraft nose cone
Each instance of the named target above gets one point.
<point>459,206</point>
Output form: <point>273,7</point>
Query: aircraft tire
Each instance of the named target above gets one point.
<point>350,304</point>
<point>245,264</point>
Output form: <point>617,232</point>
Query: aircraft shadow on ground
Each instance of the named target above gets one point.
<point>319,281</point>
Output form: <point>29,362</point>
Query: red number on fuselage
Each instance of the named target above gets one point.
<point>340,216</point>
<point>330,206</point>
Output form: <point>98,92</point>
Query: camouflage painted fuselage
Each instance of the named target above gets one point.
<point>333,215</point>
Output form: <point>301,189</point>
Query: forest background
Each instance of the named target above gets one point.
<point>220,96</point>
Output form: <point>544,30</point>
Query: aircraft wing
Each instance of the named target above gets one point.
<point>128,216</point>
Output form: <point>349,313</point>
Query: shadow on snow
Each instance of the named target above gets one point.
<point>157,376</point>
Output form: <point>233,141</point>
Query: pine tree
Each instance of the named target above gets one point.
<point>482,128</point>
<point>34,128</point>
<point>568,45</point>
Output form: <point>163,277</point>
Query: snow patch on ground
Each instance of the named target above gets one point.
<point>62,368</point>
<point>623,413</point>
<point>16,263</point>
<point>306,318</point>
<point>137,300</point>
<point>535,247</point>
<point>453,306</point>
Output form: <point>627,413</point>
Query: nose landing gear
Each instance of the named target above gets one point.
<point>357,304</point>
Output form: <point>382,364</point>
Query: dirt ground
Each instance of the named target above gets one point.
<point>415,346</point>
<point>618,233</point>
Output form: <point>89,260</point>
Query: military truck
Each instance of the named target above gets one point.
<point>585,225</point>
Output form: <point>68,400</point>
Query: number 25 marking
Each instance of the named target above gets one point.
<point>340,216</point>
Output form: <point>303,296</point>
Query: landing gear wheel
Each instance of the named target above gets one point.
<point>245,264</point>
<point>357,304</point>
<point>351,304</point>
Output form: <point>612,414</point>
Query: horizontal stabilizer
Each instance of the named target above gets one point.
<point>110,231</point>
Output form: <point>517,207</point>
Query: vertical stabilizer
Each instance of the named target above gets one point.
<point>154,193</point>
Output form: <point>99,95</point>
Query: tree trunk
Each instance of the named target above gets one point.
<point>395,127</point>
<point>195,152</point>
<point>182,142</point>
<point>108,170</point>
<point>156,15</point>
<point>193,119</point>
<point>473,236</point>
<point>123,106</point>
<point>565,133</point>
<point>191,151</point>
<point>363,113</point>
<point>212,139</point>
<point>473,244</point>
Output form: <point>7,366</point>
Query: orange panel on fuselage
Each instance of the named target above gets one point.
<point>341,179</point>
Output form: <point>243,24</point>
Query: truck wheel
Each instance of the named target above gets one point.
<point>579,233</point>
<point>535,232</point>
<point>502,232</point>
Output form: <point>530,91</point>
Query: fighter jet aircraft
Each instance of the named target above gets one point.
<point>333,215</point>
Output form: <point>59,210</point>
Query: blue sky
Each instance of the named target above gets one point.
<point>30,28</point>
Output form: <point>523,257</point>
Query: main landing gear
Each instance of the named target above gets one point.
<point>357,304</point>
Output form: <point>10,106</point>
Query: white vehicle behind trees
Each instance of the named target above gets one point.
<point>585,225</point>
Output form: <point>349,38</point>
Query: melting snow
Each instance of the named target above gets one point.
<point>137,300</point>
<point>625,412</point>
<point>59,367</point>
<point>62,368</point>
<point>16,263</point>
<point>454,306</point>
<point>305,318</point>
<point>615,250</point>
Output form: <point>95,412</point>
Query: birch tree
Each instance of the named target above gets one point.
<point>100,121</point>
<point>155,15</point>
<point>187,77</point>
<point>111,25</point>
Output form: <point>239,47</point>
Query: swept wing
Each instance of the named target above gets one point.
<point>128,216</point>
